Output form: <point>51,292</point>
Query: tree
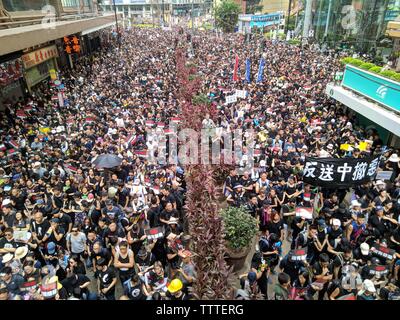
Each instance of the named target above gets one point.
<point>253,6</point>
<point>226,15</point>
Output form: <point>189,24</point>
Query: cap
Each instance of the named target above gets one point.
<point>109,203</point>
<point>51,247</point>
<point>364,247</point>
<point>238,186</point>
<point>252,276</point>
<point>355,203</point>
<point>336,222</point>
<point>55,220</point>
<point>378,208</point>
<point>322,223</point>
<point>6,202</point>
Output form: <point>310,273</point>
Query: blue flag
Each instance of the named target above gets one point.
<point>260,70</point>
<point>248,70</point>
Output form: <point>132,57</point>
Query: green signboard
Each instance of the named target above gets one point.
<point>377,88</point>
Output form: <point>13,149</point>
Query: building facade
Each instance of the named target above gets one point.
<point>358,24</point>
<point>32,34</point>
<point>158,12</point>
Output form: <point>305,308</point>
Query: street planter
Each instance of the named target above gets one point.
<point>240,229</point>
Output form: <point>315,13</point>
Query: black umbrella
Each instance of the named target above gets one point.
<point>107,161</point>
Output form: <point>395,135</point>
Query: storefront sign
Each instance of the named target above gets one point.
<point>335,173</point>
<point>375,87</point>
<point>39,56</point>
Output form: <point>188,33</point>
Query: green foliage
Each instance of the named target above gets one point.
<point>295,42</point>
<point>396,77</point>
<point>226,15</point>
<point>376,69</point>
<point>253,6</point>
<point>366,65</point>
<point>201,99</point>
<point>388,73</point>
<point>240,227</point>
<point>393,75</point>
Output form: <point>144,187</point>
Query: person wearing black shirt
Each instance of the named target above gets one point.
<point>168,212</point>
<point>136,237</point>
<point>56,233</point>
<point>107,280</point>
<point>298,225</point>
<point>112,233</point>
<point>134,288</point>
<point>98,253</point>
<point>323,273</point>
<point>153,214</point>
<point>262,270</point>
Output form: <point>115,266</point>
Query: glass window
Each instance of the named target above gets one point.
<point>23,5</point>
<point>70,3</point>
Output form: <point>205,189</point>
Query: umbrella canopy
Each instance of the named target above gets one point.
<point>107,161</point>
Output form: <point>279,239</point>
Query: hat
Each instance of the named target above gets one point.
<point>355,203</point>
<point>175,285</point>
<point>322,223</point>
<point>364,247</point>
<point>51,247</point>
<point>238,186</point>
<point>380,182</point>
<point>7,258</point>
<point>336,222</point>
<point>378,208</point>
<point>37,164</point>
<point>329,146</point>
<point>262,163</point>
<point>369,286</point>
<point>394,158</point>
<point>21,252</point>
<point>109,203</point>
<point>39,201</point>
<point>55,220</point>
<point>252,276</point>
<point>5,202</point>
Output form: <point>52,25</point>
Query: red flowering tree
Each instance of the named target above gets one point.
<point>202,210</point>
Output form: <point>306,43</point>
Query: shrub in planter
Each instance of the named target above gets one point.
<point>396,77</point>
<point>388,73</point>
<point>356,62</point>
<point>367,66</point>
<point>376,69</point>
<point>240,227</point>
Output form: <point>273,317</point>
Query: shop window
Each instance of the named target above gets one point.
<point>70,3</point>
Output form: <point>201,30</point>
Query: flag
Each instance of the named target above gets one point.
<point>235,69</point>
<point>14,144</point>
<point>168,131</point>
<point>260,70</point>
<point>161,125</point>
<point>21,114</point>
<point>70,168</point>
<point>89,120</point>
<point>175,120</point>
<point>11,152</point>
<point>141,153</point>
<point>248,70</point>
<point>149,123</point>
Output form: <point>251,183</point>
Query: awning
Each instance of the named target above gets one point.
<point>385,118</point>
<point>97,28</point>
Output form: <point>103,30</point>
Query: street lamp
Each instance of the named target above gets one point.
<point>116,23</point>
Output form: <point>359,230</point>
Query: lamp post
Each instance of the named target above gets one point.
<point>116,23</point>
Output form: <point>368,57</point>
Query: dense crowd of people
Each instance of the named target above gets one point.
<point>73,230</point>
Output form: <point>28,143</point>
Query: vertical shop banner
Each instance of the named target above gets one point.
<point>340,173</point>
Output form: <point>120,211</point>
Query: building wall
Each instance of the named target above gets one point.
<point>271,6</point>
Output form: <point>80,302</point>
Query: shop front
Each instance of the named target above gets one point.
<point>12,86</point>
<point>40,65</point>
